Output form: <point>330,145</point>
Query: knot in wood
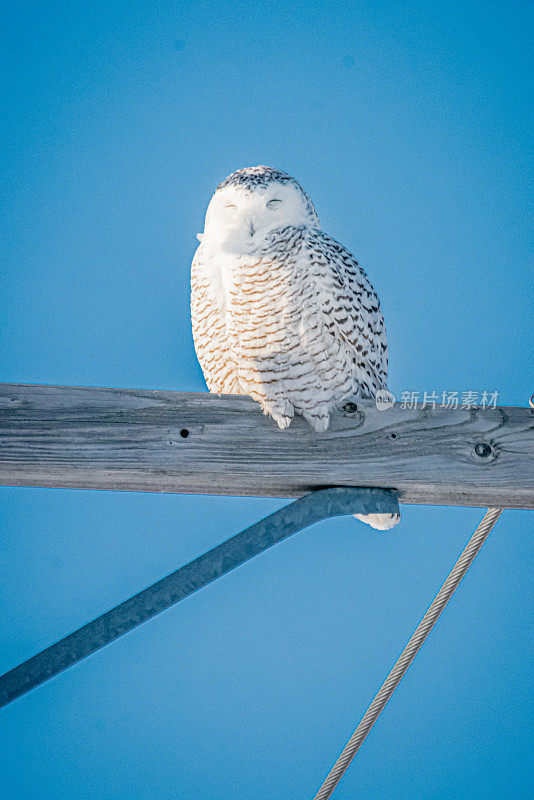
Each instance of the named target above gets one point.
<point>482,449</point>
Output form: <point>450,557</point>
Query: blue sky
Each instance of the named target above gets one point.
<point>408,125</point>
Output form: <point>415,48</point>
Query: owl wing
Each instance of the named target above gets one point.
<point>208,319</point>
<point>350,309</point>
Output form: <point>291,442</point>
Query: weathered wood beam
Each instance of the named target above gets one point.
<point>163,441</point>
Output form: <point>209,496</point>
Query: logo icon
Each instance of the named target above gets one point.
<point>384,399</point>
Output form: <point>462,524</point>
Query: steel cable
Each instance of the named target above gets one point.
<point>408,654</point>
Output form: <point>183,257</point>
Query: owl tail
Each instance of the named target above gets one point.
<point>380,522</point>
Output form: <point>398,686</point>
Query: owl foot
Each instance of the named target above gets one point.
<point>319,421</point>
<point>282,422</point>
<point>282,412</point>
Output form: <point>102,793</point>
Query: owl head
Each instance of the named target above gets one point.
<point>253,201</point>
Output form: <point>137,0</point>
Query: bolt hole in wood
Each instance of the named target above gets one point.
<point>184,433</point>
<point>482,449</point>
<point>393,436</point>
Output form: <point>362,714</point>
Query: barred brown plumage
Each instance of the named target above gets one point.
<point>280,310</point>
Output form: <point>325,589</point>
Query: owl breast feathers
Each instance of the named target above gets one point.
<point>280,310</point>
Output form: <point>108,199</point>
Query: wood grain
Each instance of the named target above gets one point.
<point>164,441</point>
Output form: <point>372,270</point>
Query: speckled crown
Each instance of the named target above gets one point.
<point>257,177</point>
<point>260,177</point>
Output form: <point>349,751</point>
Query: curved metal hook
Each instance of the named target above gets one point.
<point>190,578</point>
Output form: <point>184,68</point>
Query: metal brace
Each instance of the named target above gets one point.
<point>296,516</point>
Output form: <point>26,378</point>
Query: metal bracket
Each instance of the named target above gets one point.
<point>296,516</point>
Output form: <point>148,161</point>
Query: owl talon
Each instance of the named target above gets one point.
<point>283,422</point>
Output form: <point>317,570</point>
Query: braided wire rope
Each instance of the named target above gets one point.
<point>410,651</point>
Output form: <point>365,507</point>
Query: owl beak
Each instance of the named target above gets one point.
<point>251,228</point>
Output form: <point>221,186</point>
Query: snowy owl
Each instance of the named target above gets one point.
<point>280,310</point>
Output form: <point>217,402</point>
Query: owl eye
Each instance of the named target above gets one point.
<point>273,203</point>
<point>230,205</point>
